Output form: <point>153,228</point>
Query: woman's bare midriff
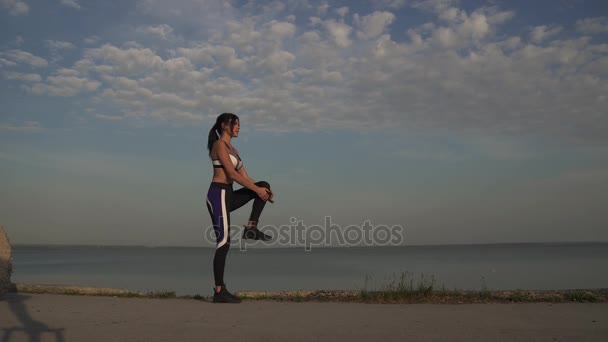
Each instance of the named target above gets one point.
<point>220,176</point>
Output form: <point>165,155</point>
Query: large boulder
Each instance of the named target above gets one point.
<point>6,263</point>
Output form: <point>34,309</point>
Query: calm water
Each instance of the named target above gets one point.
<point>189,270</point>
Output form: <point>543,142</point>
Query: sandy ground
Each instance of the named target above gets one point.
<point>45,317</point>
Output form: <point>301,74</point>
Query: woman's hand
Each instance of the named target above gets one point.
<point>264,194</point>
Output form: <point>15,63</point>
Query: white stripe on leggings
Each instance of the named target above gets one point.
<point>210,205</point>
<point>224,219</point>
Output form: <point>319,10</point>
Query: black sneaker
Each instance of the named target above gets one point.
<point>225,297</point>
<point>230,294</point>
<point>255,234</point>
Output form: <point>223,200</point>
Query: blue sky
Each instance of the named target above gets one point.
<point>463,122</point>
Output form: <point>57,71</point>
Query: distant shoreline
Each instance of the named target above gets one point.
<point>377,297</point>
<point>254,246</point>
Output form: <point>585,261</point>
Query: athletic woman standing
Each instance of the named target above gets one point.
<point>221,199</point>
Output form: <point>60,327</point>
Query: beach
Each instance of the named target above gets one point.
<point>48,317</point>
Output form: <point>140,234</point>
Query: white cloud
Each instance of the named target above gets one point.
<point>15,7</point>
<point>342,11</point>
<point>464,29</point>
<point>322,9</point>
<point>92,40</point>
<point>60,85</point>
<point>109,117</point>
<point>210,14</point>
<point>24,77</point>
<point>396,4</point>
<point>278,30</point>
<point>373,25</point>
<point>436,6</point>
<point>592,25</point>
<point>26,127</point>
<point>458,72</point>
<point>24,57</point>
<point>6,62</point>
<point>277,62</point>
<point>71,3</point>
<point>162,31</point>
<point>339,32</point>
<point>57,47</point>
<point>129,61</point>
<point>67,72</point>
<point>214,55</point>
<point>540,33</point>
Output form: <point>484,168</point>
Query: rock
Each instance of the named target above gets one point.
<point>6,263</point>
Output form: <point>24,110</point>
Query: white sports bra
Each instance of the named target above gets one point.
<point>237,163</point>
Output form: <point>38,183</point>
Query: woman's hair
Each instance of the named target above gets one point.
<point>216,130</point>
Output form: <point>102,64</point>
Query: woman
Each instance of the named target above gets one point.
<point>221,199</point>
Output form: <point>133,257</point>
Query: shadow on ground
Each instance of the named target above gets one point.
<point>32,328</point>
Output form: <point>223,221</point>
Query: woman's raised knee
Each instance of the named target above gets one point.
<point>263,184</point>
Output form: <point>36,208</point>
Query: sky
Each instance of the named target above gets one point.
<point>460,121</point>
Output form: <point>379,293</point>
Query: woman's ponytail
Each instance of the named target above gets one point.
<point>214,135</point>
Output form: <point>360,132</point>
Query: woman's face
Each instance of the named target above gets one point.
<point>235,130</point>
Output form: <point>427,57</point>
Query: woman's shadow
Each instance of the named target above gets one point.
<point>34,329</point>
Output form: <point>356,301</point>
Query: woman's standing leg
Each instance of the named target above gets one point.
<point>218,198</point>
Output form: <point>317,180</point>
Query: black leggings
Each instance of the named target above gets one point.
<point>221,200</point>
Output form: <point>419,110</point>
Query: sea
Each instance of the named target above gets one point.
<point>189,271</point>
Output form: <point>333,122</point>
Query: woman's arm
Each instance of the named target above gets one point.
<point>222,153</point>
<point>243,173</point>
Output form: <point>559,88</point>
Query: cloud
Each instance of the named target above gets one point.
<point>59,45</point>
<point>126,61</point>
<point>540,33</point>
<point>277,30</point>
<point>322,9</point>
<point>71,3</point>
<point>92,40</point>
<point>24,57</point>
<point>460,72</point>
<point>61,85</point>
<point>109,117</point>
<point>592,25</point>
<point>214,55</point>
<point>209,14</point>
<point>339,32</point>
<point>342,11</point>
<point>26,127</point>
<point>24,77</point>
<point>15,7</point>
<point>373,25</point>
<point>5,62</point>
<point>395,4</point>
<point>56,48</point>
<point>162,31</point>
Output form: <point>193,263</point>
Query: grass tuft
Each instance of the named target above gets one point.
<point>581,297</point>
<point>395,288</point>
<point>161,294</point>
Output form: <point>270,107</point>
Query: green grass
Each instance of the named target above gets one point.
<point>520,296</point>
<point>484,293</point>
<point>580,296</point>
<point>396,287</point>
<point>161,294</point>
